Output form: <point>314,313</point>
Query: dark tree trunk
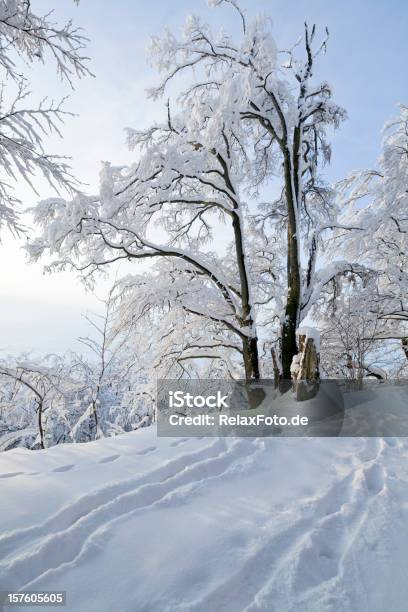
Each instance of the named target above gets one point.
<point>251,358</point>
<point>40,424</point>
<point>95,413</point>
<point>276,370</point>
<point>288,332</point>
<point>250,345</point>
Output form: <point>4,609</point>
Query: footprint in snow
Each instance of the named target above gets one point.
<point>64,468</point>
<point>178,442</point>
<point>375,480</point>
<point>150,449</point>
<point>318,560</point>
<point>109,459</point>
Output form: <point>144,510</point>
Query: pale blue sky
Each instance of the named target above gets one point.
<point>366,64</point>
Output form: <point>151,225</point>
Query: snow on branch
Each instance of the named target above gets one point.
<point>23,126</point>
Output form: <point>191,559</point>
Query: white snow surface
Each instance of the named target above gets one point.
<point>139,523</point>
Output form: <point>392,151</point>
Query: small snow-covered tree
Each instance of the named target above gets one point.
<point>103,375</point>
<point>353,344</point>
<point>32,38</point>
<point>51,400</point>
<point>42,384</point>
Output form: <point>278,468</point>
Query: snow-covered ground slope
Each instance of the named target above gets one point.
<point>138,523</point>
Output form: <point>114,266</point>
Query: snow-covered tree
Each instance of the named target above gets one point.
<point>103,375</point>
<point>247,116</point>
<point>352,332</point>
<point>274,96</point>
<point>51,400</point>
<point>42,385</point>
<point>377,201</point>
<point>31,38</point>
<point>188,179</point>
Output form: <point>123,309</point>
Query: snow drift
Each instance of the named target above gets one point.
<point>138,523</point>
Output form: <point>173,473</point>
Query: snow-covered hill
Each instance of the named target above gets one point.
<point>139,524</point>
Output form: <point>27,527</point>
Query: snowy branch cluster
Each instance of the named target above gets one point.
<point>78,397</point>
<point>27,38</point>
<point>373,307</point>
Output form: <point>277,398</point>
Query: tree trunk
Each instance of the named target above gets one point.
<point>95,413</point>
<point>250,345</point>
<point>276,370</point>
<point>251,358</point>
<point>288,331</point>
<point>40,424</point>
<point>291,162</point>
